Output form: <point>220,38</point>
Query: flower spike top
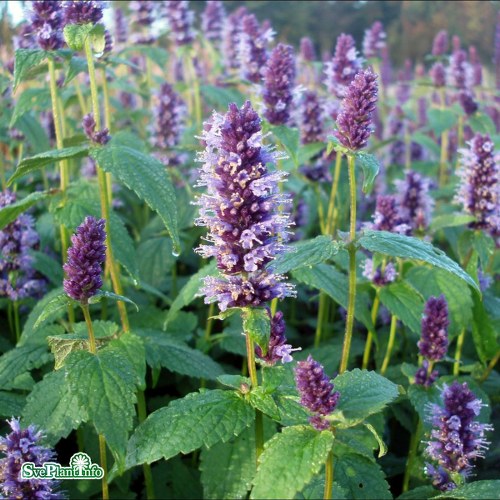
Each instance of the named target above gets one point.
<point>354,121</point>
<point>212,20</point>
<point>240,209</point>
<point>83,11</point>
<point>440,44</point>
<point>85,259</point>
<point>374,40</point>
<point>101,137</point>
<point>46,23</point>
<point>433,344</point>
<point>180,21</point>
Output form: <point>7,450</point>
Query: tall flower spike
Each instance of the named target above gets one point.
<point>387,216</point>
<point>433,343</point>
<point>85,259</point>
<point>279,81</point>
<point>440,44</point>
<point>121,29</point>
<point>231,36</point>
<point>180,21</point>
<point>169,114</point>
<point>459,70</point>
<point>307,52</point>
<point>46,23</point>
<point>316,392</point>
<point>438,74</point>
<point>496,55</point>
<point>212,20</point>
<point>479,189</point>
<point>354,121</point>
<point>19,447</point>
<point>344,66</point>
<point>374,40</point>
<point>83,11</point>
<point>311,120</point>
<point>240,209</point>
<point>457,439</point>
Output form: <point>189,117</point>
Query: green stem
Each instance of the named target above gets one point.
<point>90,328</point>
<point>330,226</point>
<point>321,318</point>
<point>458,353</point>
<point>107,124</point>
<point>327,495</point>
<point>146,468</point>
<point>352,267</point>
<point>490,367</point>
<point>17,325</point>
<point>412,454</point>
<point>390,344</point>
<point>210,322</point>
<point>369,338</point>
<point>104,465</point>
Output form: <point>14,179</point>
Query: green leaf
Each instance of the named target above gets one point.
<point>450,220</point>
<point>76,34</point>
<point>407,247</point>
<point>38,161</point>
<point>477,490</point>
<point>482,123</point>
<point>35,134</point>
<point>48,266</point>
<point>420,397</point>
<point>11,404</point>
<point>131,346</point>
<point>63,345</point>
<point>164,351</point>
<point>257,324</point>
<point>26,59</point>
<point>52,407</point>
<point>427,143</point>
<point>419,493</point>
<point>105,384</point>
<point>405,302</point>
<point>102,294</point>
<point>484,245</point>
<point>155,259</point>
<point>306,253</point>
<point>219,98</point>
<point>483,332</point>
<point>186,424</point>
<point>123,245</point>
<point>30,99</point>
<point>264,402</point>
<point>288,137</point>
<point>290,460</point>
<point>60,301</point>
<point>362,393</point>
<point>370,166</point>
<point>441,119</point>
<point>9,213</point>
<point>147,177</point>
<point>382,446</point>
<point>76,66</point>
<point>327,279</point>
<point>158,55</point>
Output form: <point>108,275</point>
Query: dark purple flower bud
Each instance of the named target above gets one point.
<point>241,211</point>
<point>433,343</point>
<point>354,122</point>
<point>414,201</point>
<point>83,11</point>
<point>346,63</point>
<point>16,135</point>
<point>279,81</point>
<point>108,42</point>
<point>378,276</point>
<point>85,259</point>
<point>457,438</point>
<point>311,118</point>
<point>278,349</point>
<point>438,74</point>
<point>231,36</point>
<point>388,217</point>
<point>19,447</point>
<point>307,52</point>
<point>440,478</point>
<point>212,20</point>
<point>316,392</point>
<point>142,12</point>
<point>460,72</point>
<point>121,28</point>
<point>252,48</point>
<point>374,40</point>
<point>440,44</point>
<point>180,21</point>
<point>479,189</point>
<point>46,23</point>
<point>469,105</point>
<point>423,377</point>
<point>99,137</point>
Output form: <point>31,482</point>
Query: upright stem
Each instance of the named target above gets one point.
<point>90,329</point>
<point>146,468</point>
<point>321,318</point>
<point>412,454</point>
<point>330,226</point>
<point>327,495</point>
<point>490,367</point>
<point>458,352</point>
<point>390,344</point>
<point>107,124</point>
<point>369,338</point>
<point>352,268</point>
<point>17,325</point>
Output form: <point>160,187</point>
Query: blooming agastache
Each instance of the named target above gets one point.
<point>18,447</point>
<point>98,137</point>
<point>307,52</point>
<point>212,20</point>
<point>354,122</point>
<point>433,343</point>
<point>440,44</point>
<point>387,216</point>
<point>180,21</point>
<point>279,81</point>
<point>231,36</point>
<point>316,392</point>
<point>83,11</point>
<point>374,40</point>
<point>240,209</point>
<point>142,12</point>
<point>85,259</point>
<point>378,275</point>
<point>46,24</point>
<point>121,28</point>
<point>311,119</point>
<point>438,74</point>
<point>457,438</point>
<point>459,70</point>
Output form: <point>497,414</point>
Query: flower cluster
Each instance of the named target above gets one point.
<point>121,29</point>
<point>241,211</point>
<point>19,447</point>
<point>316,392</point>
<point>98,137</point>
<point>18,278</point>
<point>307,52</point>
<point>374,40</point>
<point>231,36</point>
<point>457,438</point>
<point>440,44</point>
<point>143,12</point>
<point>438,74</point>
<point>46,23</point>
<point>279,81</point>
<point>425,376</point>
<point>377,275</point>
<point>433,344</point>
<point>85,259</point>
<point>180,21</point>
<point>212,20</point>
<point>387,216</point>
<point>354,121</point>
<point>83,11</point>
<point>459,71</point>
<point>311,121</point>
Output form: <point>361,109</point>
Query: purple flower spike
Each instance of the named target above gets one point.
<point>307,52</point>
<point>99,137</point>
<point>241,211</point>
<point>344,66</point>
<point>423,377</point>
<point>388,217</point>
<point>180,21</point>
<point>212,20</point>
<point>354,121</point>
<point>279,81</point>
<point>433,343</point>
<point>83,11</point>
<point>374,40</point>
<point>46,23</point>
<point>19,447</point>
<point>479,190</point>
<point>170,111</point>
<point>85,259</point>
<point>231,36</point>
<point>468,103</point>
<point>440,478</point>
<point>377,276</point>
<point>460,71</point>
<point>121,29</point>
<point>438,74</point>
<point>142,12</point>
<point>457,439</point>
<point>496,56</point>
<point>316,392</point>
<point>440,44</point>
<point>311,118</point>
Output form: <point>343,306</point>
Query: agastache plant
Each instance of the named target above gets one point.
<point>180,21</point>
<point>212,21</point>
<point>374,40</point>
<point>230,38</point>
<point>46,23</point>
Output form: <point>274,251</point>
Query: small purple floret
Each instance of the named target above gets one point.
<point>433,343</point>
<point>83,11</point>
<point>98,137</point>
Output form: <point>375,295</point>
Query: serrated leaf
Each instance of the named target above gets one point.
<point>420,397</point>
<point>62,347</point>
<point>147,177</point>
<point>482,123</point>
<point>306,253</point>
<point>264,402</point>
<point>52,407</point>
<point>483,332</point>
<point>186,424</point>
<point>132,347</point>
<point>57,303</point>
<point>407,247</point>
<point>382,446</point>
<point>162,350</point>
<point>427,143</point>
<point>290,460</point>
<point>11,404</point>
<point>25,60</point>
<point>370,166</point>
<point>405,302</point>
<point>103,294</point>
<point>477,490</point>
<point>105,385</point>
<point>123,246</point>
<point>450,220</point>
<point>441,119</point>
<point>288,137</point>
<point>257,324</point>
<point>155,259</point>
<point>234,381</point>
<point>362,393</point>
<point>28,165</point>
<point>9,213</point>
<point>485,246</point>
<point>419,493</point>
<point>76,66</point>
<point>76,34</point>
<point>29,100</point>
